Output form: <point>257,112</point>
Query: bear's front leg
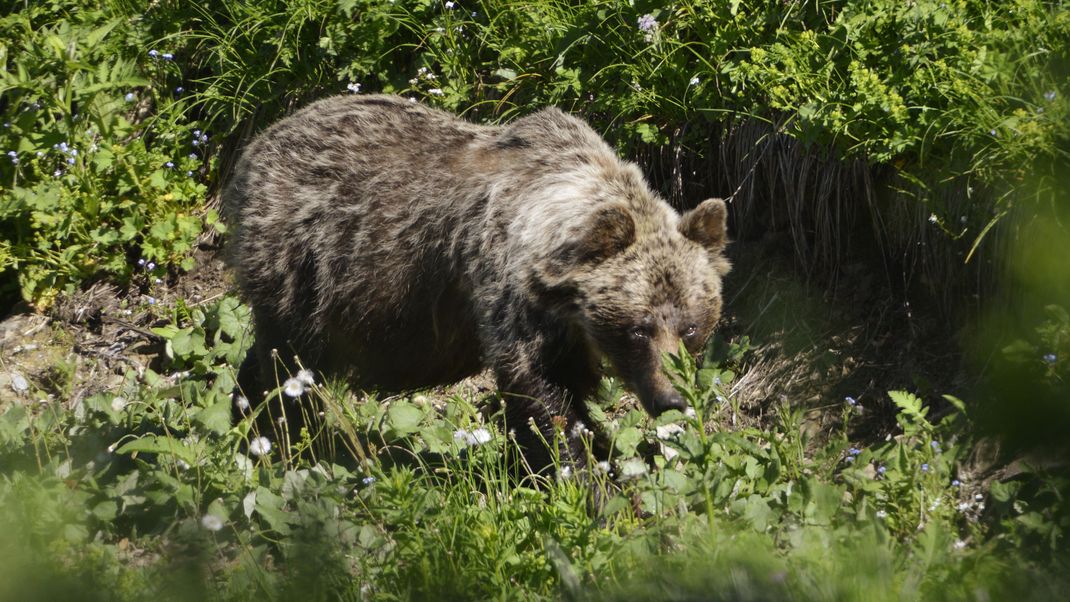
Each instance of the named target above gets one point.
<point>536,410</point>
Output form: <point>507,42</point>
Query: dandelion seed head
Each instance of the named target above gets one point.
<point>307,377</point>
<point>293,387</point>
<point>211,522</point>
<point>479,437</point>
<point>118,404</point>
<point>261,446</point>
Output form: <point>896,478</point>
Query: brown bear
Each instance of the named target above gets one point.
<point>396,246</point>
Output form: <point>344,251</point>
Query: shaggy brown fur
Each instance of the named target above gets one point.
<point>398,247</point>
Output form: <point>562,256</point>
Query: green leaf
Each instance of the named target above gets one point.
<point>403,418</point>
<point>627,440</point>
<point>215,418</point>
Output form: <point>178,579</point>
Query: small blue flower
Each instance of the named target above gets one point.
<point>169,164</point>
<point>368,480</point>
<point>141,261</point>
<point>62,146</point>
<point>12,153</point>
<point>57,173</point>
<point>193,156</point>
<point>1049,95</point>
<point>150,265</point>
<point>179,90</point>
<point>851,400</point>
<point>882,469</point>
<point>854,451</point>
<point>152,300</point>
<point>129,97</point>
<point>154,53</point>
<point>925,468</point>
<point>70,161</point>
<point>167,56</point>
<point>992,132</point>
<point>195,142</point>
<point>849,459</point>
<point>189,174</point>
<point>204,137</point>
<point>955,482</point>
<point>1050,358</point>
<point>935,445</point>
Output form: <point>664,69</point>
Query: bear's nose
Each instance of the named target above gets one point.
<point>671,401</point>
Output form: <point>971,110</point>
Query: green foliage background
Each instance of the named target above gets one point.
<point>962,91</point>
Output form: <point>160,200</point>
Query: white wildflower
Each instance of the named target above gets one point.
<point>261,446</point>
<point>293,387</point>
<point>436,92</point>
<point>602,466</point>
<point>450,5</point>
<point>479,437</point>
<point>566,472</point>
<point>960,544</point>
<point>353,87</point>
<point>211,522</point>
<point>694,81</point>
<point>306,377</point>
<point>242,403</point>
<point>882,514</point>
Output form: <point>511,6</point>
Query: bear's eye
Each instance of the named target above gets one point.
<point>638,333</point>
<point>691,331</point>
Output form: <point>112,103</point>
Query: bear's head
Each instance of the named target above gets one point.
<point>642,280</point>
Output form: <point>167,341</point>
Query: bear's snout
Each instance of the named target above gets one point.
<point>669,401</point>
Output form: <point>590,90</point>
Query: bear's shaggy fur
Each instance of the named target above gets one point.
<point>397,247</point>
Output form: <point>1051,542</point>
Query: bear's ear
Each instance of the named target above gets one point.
<point>609,231</point>
<point>707,224</point>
